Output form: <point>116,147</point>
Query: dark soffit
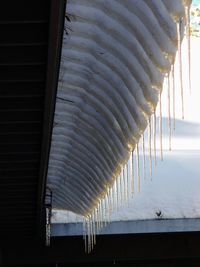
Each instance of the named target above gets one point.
<point>30,38</point>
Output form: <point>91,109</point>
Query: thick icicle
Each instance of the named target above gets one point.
<point>144,158</point>
<point>154,136</point>
<point>124,184</point>
<point>138,166</point>
<point>102,213</point>
<point>107,208</point>
<point>121,188</point>
<point>95,221</point>
<point>180,65</point>
<point>117,192</point>
<point>109,201</point>
<point>128,178</point>
<point>161,145</point>
<point>105,211</point>
<point>85,233</point>
<point>113,197</point>
<point>98,219</point>
<point>169,111</point>
<point>132,175</point>
<point>94,224</point>
<point>127,184</point>
<point>187,18</point>
<point>174,97</point>
<point>91,233</point>
<point>150,155</point>
<point>89,237</point>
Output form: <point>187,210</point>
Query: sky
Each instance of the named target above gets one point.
<point>196,2</point>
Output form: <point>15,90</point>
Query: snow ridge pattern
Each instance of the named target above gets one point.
<point>115,56</point>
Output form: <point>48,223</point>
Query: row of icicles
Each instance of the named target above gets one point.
<point>129,181</point>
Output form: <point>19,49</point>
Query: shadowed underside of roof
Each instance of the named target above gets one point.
<point>24,72</point>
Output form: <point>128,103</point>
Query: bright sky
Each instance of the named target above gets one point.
<point>196,2</point>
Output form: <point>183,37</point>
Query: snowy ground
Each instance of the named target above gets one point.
<point>174,190</point>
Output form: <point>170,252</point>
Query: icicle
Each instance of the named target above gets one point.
<point>108,208</point>
<point>113,197</point>
<point>85,234</point>
<point>91,232</point>
<point>89,236</point>
<point>109,202</point>
<point>127,189</point>
<point>127,185</point>
<point>98,219</point>
<point>161,146</point>
<point>180,65</point>
<point>187,18</point>
<point>138,167</point>
<point>94,224</point>
<point>150,156</point>
<point>144,158</point>
<point>96,215</point>
<point>99,211</point>
<point>131,169</point>
<point>169,111</point>
<point>117,192</point>
<point>129,176</point>
<point>132,175</point>
<point>102,216</point>
<point>93,228</point>
<point>154,137</point>
<point>124,185</point>
<point>105,211</point>
<point>121,187</point>
<point>174,98</point>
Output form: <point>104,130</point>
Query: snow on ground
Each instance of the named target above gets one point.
<point>174,190</point>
